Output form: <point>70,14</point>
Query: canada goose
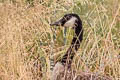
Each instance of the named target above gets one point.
<point>63,67</point>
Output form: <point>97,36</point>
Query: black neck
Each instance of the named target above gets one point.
<point>68,57</point>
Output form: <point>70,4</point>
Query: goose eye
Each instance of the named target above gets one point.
<point>67,18</point>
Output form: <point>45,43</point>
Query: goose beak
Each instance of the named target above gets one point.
<point>57,23</point>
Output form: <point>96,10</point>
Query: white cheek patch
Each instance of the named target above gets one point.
<point>71,22</point>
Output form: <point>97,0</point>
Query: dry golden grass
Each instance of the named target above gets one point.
<point>26,39</point>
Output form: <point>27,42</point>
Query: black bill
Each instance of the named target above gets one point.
<point>58,23</point>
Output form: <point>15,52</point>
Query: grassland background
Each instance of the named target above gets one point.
<point>27,40</point>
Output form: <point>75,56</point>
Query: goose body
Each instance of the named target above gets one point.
<point>62,69</point>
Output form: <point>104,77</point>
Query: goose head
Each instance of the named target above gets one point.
<point>68,20</point>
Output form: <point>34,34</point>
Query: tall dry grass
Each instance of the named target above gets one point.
<point>26,39</point>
